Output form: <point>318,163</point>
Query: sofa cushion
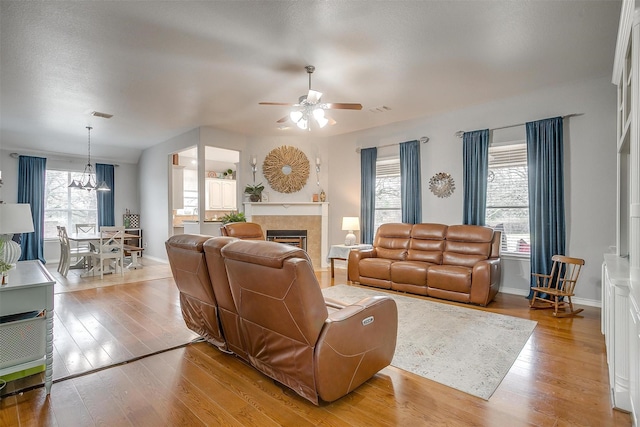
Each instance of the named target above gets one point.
<point>411,272</point>
<point>427,243</point>
<point>380,268</point>
<point>392,241</point>
<point>467,244</point>
<point>450,277</point>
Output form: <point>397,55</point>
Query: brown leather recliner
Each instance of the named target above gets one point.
<point>227,311</point>
<point>197,299</point>
<point>289,333</point>
<point>243,230</point>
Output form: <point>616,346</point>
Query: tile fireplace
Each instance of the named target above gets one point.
<point>296,216</point>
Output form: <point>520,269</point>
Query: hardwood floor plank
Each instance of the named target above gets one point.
<point>68,407</point>
<point>102,407</point>
<point>161,395</point>
<point>251,409</point>
<point>130,398</point>
<point>202,402</point>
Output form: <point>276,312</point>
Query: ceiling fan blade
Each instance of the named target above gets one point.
<point>284,119</point>
<point>331,121</point>
<point>276,103</point>
<point>314,96</point>
<point>342,106</point>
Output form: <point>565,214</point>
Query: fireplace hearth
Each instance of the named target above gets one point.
<point>296,238</point>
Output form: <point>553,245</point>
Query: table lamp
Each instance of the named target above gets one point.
<point>14,218</point>
<point>350,224</point>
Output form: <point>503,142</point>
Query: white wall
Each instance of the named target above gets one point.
<point>590,164</point>
<point>311,146</point>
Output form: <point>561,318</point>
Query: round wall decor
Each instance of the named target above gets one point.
<point>286,169</point>
<point>442,184</point>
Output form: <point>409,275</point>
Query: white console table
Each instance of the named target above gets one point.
<point>27,343</point>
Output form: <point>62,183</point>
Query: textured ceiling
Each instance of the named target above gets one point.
<point>162,68</point>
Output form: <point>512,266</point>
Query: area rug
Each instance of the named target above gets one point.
<point>464,348</point>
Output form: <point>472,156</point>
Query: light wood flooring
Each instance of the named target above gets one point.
<point>559,379</point>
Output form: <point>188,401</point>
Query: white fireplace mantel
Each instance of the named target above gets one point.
<point>295,209</point>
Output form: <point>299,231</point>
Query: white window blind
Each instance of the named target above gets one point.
<point>508,195</point>
<point>388,198</point>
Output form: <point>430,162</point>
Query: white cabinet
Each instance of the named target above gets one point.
<point>616,327</point>
<point>221,194</point>
<point>621,276</point>
<point>27,339</point>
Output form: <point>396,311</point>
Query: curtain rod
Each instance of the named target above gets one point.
<point>53,157</point>
<point>423,139</point>
<point>461,132</point>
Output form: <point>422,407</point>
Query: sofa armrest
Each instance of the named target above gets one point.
<point>353,264</point>
<point>485,281</point>
<point>355,343</point>
<point>334,303</point>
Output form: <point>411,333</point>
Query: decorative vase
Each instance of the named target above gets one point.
<point>254,197</point>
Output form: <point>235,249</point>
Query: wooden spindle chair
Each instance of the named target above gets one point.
<point>555,290</point>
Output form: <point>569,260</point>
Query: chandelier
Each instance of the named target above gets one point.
<point>88,179</point>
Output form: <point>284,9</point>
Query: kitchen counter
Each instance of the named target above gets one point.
<point>208,228</point>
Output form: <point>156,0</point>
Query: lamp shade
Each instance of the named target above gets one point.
<point>15,218</point>
<point>350,223</point>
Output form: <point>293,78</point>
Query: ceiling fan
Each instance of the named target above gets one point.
<point>309,107</point>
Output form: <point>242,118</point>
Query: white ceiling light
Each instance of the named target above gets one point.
<point>88,179</point>
<point>310,108</point>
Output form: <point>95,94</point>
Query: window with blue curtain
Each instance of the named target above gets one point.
<point>32,172</point>
<point>106,199</point>
<point>475,155</point>
<point>411,188</point>
<point>368,158</point>
<point>545,159</point>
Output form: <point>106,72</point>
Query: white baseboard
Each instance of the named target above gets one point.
<point>160,260</point>
<point>576,300</point>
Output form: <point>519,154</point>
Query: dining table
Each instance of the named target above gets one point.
<point>92,238</point>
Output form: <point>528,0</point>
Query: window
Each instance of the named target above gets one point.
<point>67,206</point>
<point>508,196</point>
<point>190,192</point>
<point>388,198</point>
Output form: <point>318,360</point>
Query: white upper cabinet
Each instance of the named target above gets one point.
<point>221,194</point>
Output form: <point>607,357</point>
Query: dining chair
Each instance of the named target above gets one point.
<point>553,288</point>
<point>85,229</point>
<point>67,253</point>
<point>62,249</point>
<point>110,248</point>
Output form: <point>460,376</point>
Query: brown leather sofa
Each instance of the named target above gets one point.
<point>261,300</point>
<point>457,262</point>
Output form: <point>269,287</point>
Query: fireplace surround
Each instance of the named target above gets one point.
<point>310,216</point>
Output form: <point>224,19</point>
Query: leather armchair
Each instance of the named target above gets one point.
<point>243,230</point>
<point>288,331</point>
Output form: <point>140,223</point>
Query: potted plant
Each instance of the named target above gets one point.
<point>233,217</point>
<point>254,192</point>
<point>228,174</point>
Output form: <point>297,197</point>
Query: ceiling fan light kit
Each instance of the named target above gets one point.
<point>310,109</point>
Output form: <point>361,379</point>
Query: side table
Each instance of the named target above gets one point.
<point>342,252</point>
<point>26,326</point>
